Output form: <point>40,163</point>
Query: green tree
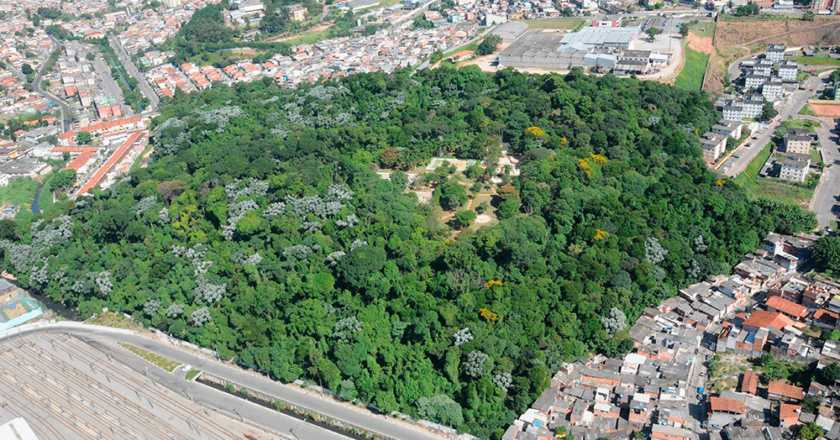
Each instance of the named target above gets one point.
<point>463,219</point>
<point>26,69</point>
<point>826,254</point>
<point>652,32</point>
<point>489,44</point>
<point>829,373</point>
<point>63,180</point>
<point>83,138</point>
<point>452,195</point>
<point>8,229</point>
<point>768,112</point>
<point>809,431</point>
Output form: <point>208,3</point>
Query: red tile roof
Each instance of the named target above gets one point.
<point>727,405</point>
<point>80,161</point>
<point>112,161</point>
<point>785,390</point>
<point>111,124</point>
<point>788,411</point>
<point>764,319</point>
<point>749,383</point>
<point>787,307</point>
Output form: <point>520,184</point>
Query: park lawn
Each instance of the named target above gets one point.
<point>554,23</point>
<point>705,29</point>
<point>691,76</point>
<point>800,123</point>
<point>388,3</point>
<point>162,362</point>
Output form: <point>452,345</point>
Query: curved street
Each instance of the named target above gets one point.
<point>258,415</point>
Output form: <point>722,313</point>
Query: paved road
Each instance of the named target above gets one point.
<point>360,417</point>
<point>36,86</point>
<point>106,81</point>
<point>827,194</point>
<point>135,73</point>
<point>734,166</point>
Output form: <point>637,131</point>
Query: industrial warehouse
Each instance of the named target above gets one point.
<point>598,49</point>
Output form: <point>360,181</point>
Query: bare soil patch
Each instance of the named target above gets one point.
<point>701,44</point>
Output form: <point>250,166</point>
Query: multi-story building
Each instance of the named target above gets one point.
<point>788,70</point>
<point>754,81</point>
<point>797,143</point>
<point>775,52</point>
<point>713,145</point>
<point>733,111</point>
<point>795,167</point>
<point>297,12</point>
<point>728,128</point>
<point>752,106</point>
<point>771,90</point>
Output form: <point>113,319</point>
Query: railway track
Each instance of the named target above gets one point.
<point>63,385</point>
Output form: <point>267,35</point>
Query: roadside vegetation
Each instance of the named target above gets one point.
<point>162,362</point>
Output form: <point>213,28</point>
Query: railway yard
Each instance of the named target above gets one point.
<point>68,389</point>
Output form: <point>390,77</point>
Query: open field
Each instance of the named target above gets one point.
<point>760,187</point>
<point>817,61</point>
<point>19,192</point>
<point>66,388</point>
<point>310,36</point>
<point>691,76</point>
<point>822,108</point>
<point>704,29</point>
<point>554,23</point>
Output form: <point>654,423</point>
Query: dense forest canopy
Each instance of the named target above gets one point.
<point>261,229</point>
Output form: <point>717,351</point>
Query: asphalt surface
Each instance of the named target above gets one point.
<point>106,81</point>
<point>826,200</point>
<point>292,394</point>
<point>736,165</point>
<point>36,86</point>
<point>135,73</point>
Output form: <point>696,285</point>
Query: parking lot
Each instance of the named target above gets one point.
<point>67,389</point>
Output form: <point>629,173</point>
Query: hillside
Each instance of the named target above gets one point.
<point>738,37</point>
<point>262,230</point>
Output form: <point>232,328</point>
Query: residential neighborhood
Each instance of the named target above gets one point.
<point>679,383</point>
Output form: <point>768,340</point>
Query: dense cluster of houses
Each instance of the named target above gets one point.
<point>385,51</point>
<point>765,306</point>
